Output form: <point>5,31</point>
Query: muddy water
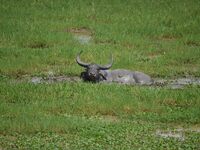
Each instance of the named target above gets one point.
<point>53,79</point>
<point>83,39</point>
<point>82,35</point>
<point>178,133</point>
<point>178,83</point>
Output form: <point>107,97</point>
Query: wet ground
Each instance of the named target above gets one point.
<point>178,133</point>
<point>178,83</point>
<point>53,79</point>
<point>83,39</point>
<point>82,35</point>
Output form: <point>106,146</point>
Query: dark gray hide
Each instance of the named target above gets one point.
<point>97,73</point>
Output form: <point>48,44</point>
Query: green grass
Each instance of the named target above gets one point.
<point>73,115</point>
<point>160,38</point>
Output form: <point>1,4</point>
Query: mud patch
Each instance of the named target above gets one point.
<point>179,83</point>
<point>179,135</point>
<point>167,37</point>
<point>192,43</point>
<point>105,42</point>
<point>171,84</point>
<point>82,35</point>
<point>154,55</point>
<point>80,31</point>
<point>54,79</point>
<point>37,80</point>
<point>83,39</point>
<point>109,118</point>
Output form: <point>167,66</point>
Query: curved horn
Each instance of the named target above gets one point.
<point>78,60</point>
<point>108,65</point>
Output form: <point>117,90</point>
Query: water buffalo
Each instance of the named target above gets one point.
<point>98,73</point>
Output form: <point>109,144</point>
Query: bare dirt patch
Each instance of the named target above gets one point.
<point>167,37</point>
<point>178,83</point>
<point>83,39</point>
<point>170,134</point>
<point>82,35</point>
<point>54,79</point>
<point>192,43</point>
<point>154,55</point>
<point>80,31</point>
<point>105,42</point>
<point>177,133</point>
<point>109,118</point>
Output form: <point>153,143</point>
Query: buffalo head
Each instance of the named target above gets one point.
<point>93,71</point>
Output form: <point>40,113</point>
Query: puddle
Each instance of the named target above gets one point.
<point>172,84</point>
<point>83,39</point>
<point>54,79</point>
<point>82,35</point>
<point>179,135</point>
<point>179,83</point>
<point>36,80</point>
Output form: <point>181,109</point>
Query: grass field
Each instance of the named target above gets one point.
<point>158,37</point>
